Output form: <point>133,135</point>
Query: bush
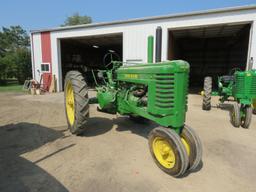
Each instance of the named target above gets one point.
<point>3,82</point>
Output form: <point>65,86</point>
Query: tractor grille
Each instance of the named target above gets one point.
<point>253,86</point>
<point>245,86</point>
<point>240,86</point>
<point>164,91</point>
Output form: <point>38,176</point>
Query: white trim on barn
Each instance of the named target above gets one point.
<point>37,56</point>
<point>135,33</point>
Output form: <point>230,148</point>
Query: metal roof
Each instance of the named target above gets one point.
<point>195,13</point>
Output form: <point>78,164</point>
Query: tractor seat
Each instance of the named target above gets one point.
<point>227,78</point>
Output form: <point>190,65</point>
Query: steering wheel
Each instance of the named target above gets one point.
<point>108,58</point>
<point>232,71</point>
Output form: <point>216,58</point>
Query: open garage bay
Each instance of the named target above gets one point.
<point>89,53</point>
<point>211,50</point>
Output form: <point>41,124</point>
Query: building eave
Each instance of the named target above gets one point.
<point>137,20</point>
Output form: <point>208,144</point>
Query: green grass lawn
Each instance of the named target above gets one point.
<point>11,88</point>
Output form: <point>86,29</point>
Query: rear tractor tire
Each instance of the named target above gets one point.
<point>235,117</point>
<point>76,102</point>
<point>246,116</point>
<point>207,94</point>
<point>193,147</point>
<point>168,151</point>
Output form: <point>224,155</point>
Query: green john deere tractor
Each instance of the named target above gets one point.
<point>240,87</point>
<point>154,91</point>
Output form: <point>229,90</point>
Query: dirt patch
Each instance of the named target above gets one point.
<point>37,152</point>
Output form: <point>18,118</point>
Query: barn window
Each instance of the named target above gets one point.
<point>45,67</point>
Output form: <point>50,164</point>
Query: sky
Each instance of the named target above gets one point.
<point>32,14</point>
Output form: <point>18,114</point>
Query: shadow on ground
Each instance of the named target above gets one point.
<point>97,126</point>
<point>17,173</point>
<point>141,128</point>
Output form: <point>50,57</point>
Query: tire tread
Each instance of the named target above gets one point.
<point>207,94</point>
<point>81,101</point>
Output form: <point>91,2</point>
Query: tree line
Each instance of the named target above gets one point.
<point>15,56</point>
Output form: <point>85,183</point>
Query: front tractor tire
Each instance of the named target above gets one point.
<point>76,102</point>
<point>207,94</point>
<point>246,116</point>
<point>235,117</point>
<point>168,151</point>
<point>193,147</point>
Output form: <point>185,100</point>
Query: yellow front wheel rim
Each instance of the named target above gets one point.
<point>70,103</point>
<point>186,145</point>
<point>163,152</point>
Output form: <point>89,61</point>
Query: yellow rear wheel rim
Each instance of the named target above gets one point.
<point>186,145</point>
<point>163,152</point>
<point>70,103</point>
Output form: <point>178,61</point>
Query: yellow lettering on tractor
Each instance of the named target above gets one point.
<point>131,76</point>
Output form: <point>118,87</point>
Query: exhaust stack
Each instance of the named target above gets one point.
<point>158,44</point>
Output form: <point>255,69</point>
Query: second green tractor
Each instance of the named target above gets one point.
<point>238,87</point>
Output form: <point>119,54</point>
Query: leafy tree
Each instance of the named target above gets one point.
<point>14,54</point>
<point>23,69</point>
<point>77,19</point>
